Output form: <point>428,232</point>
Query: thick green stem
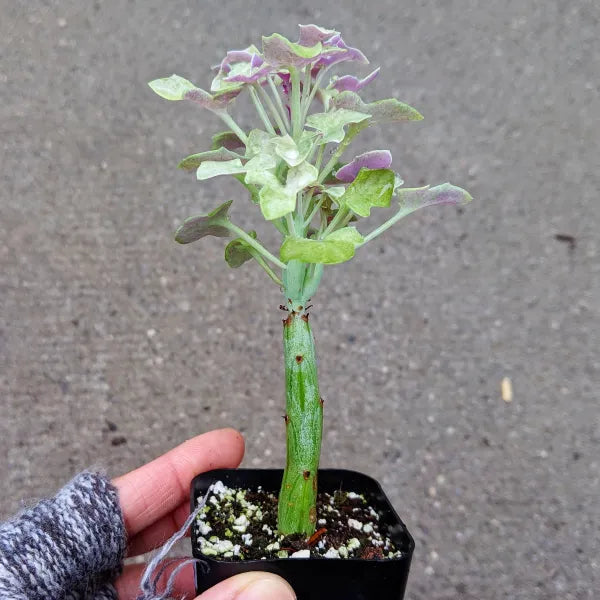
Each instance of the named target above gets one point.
<point>297,511</point>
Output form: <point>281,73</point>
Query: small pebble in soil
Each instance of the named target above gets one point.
<point>242,525</point>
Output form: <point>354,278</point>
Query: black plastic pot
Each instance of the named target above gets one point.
<point>316,578</point>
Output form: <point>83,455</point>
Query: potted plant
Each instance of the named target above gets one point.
<point>340,538</point>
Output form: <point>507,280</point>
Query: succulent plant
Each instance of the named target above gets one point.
<point>292,168</point>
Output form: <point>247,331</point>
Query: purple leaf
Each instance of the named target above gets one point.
<point>280,52</point>
<point>412,199</point>
<point>194,228</point>
<point>248,55</point>
<point>214,102</point>
<point>349,83</point>
<point>381,111</point>
<point>310,35</point>
<point>235,56</point>
<point>335,50</point>
<point>226,139</point>
<point>316,46</point>
<point>375,159</point>
<point>192,162</point>
<point>241,66</point>
<point>254,75</point>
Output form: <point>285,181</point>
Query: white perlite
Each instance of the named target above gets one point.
<point>353,544</point>
<point>219,488</point>
<point>242,517</point>
<point>241,524</point>
<point>204,528</point>
<point>215,546</point>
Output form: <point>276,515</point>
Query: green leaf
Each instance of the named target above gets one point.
<point>276,201</point>
<point>381,111</point>
<point>194,228</point>
<point>226,139</point>
<point>331,124</point>
<point>301,176</point>
<point>347,234</point>
<point>172,88</point>
<point>212,168</point>
<point>293,154</point>
<point>278,51</point>
<point>412,199</point>
<point>335,191</point>
<point>326,252</point>
<point>372,187</point>
<point>189,163</point>
<point>238,251</point>
<point>259,170</point>
<point>258,142</point>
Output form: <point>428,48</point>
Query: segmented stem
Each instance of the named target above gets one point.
<point>297,512</point>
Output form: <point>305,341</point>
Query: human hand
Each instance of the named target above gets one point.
<point>155,504</point>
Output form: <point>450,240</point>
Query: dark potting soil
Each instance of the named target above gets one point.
<point>242,525</point>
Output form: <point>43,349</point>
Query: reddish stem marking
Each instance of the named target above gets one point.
<point>315,536</point>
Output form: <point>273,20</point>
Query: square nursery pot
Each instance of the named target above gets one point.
<point>315,578</point>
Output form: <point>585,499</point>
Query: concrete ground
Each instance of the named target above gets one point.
<point>117,344</point>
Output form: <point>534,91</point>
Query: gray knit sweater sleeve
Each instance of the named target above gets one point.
<point>69,547</point>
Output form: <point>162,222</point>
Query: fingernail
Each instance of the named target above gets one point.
<point>267,589</point>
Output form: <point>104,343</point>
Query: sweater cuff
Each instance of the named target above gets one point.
<point>70,546</point>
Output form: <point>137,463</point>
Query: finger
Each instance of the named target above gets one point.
<point>128,584</point>
<point>156,489</point>
<point>159,532</point>
<point>251,586</point>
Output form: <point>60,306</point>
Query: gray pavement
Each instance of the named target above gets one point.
<point>116,343</point>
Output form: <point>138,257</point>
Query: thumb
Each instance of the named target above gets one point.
<point>251,586</point>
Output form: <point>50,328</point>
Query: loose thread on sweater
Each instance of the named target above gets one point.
<point>156,567</point>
